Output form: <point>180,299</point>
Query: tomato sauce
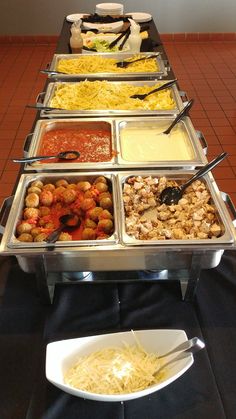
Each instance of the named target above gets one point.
<point>94,145</point>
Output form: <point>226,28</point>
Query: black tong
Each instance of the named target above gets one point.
<point>125,34</point>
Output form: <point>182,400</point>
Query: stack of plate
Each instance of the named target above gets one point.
<point>112,9</point>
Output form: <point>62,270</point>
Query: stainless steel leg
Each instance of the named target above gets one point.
<point>194,275</point>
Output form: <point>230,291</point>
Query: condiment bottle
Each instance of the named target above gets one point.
<point>76,40</point>
<point>135,38</point>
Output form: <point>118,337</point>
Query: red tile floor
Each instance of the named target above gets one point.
<point>206,71</point>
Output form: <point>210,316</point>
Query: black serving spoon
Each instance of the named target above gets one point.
<point>179,116</point>
<point>124,64</point>
<point>69,221</point>
<point>172,194</point>
<point>158,89</point>
<point>64,155</point>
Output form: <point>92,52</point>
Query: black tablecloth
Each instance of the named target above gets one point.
<point>206,390</point>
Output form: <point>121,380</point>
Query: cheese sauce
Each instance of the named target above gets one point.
<point>149,144</point>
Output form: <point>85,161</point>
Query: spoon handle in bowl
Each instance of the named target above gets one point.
<point>162,87</point>
<point>179,116</point>
<point>205,169</point>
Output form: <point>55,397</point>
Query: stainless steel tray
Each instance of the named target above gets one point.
<point>46,125</point>
<point>193,143</point>
<point>18,204</point>
<point>47,96</point>
<point>115,126</point>
<point>222,214</point>
<point>162,72</point>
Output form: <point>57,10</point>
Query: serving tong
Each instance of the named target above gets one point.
<point>124,64</point>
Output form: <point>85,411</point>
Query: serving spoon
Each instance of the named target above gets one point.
<point>124,64</point>
<point>178,117</point>
<point>190,346</point>
<point>158,89</point>
<point>70,221</point>
<point>63,155</point>
<point>172,194</point>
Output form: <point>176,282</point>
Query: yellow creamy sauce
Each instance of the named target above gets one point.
<point>149,144</point>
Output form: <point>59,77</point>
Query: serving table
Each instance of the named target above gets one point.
<point>118,301</point>
<point>166,262</point>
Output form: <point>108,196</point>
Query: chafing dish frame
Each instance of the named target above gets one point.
<point>115,256</point>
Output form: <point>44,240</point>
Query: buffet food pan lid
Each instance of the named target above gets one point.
<point>102,74</point>
<point>222,214</point>
<point>140,145</point>
<point>85,126</point>
<point>55,87</point>
<point>9,239</point>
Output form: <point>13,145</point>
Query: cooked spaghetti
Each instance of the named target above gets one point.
<point>115,370</point>
<point>100,95</point>
<point>97,64</point>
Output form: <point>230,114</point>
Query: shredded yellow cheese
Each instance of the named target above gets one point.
<point>97,64</point>
<point>99,95</point>
<point>115,370</point>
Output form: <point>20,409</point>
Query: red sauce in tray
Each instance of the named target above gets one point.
<point>94,145</point>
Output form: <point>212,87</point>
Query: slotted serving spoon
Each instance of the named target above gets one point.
<point>64,155</point>
<point>124,64</point>
<point>190,346</point>
<point>158,89</point>
<point>172,194</point>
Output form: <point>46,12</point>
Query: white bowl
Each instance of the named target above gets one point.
<point>62,355</point>
<point>104,27</point>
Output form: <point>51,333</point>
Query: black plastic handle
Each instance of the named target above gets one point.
<point>180,116</point>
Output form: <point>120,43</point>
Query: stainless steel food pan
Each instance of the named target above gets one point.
<point>15,215</point>
<point>224,220</point>
<point>46,98</point>
<point>161,72</point>
<point>44,126</point>
<point>194,143</point>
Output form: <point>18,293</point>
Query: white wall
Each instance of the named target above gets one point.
<point>45,17</point>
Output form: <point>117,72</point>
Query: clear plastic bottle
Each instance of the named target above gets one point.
<point>135,38</point>
<point>76,40</point>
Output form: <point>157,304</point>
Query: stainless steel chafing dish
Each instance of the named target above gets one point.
<point>161,72</point>
<point>44,99</point>
<point>195,142</point>
<point>115,254</point>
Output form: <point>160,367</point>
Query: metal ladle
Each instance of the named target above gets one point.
<point>172,194</point>
<point>70,221</point>
<point>64,155</point>
<point>158,89</point>
<point>190,346</point>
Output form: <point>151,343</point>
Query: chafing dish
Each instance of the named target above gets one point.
<point>116,127</point>
<point>115,254</point>
<point>44,100</point>
<point>158,74</point>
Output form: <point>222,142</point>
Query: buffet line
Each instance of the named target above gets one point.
<point>123,160</point>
